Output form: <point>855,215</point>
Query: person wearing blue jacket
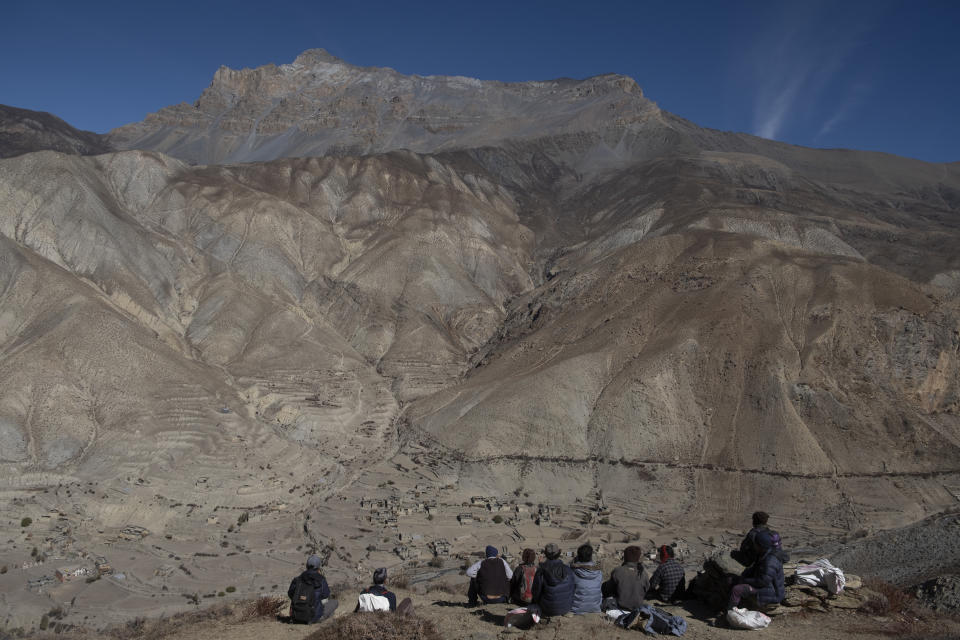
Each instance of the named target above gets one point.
<point>553,584</point>
<point>764,578</point>
<point>587,581</point>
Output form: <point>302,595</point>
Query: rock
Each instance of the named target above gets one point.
<point>846,601</point>
<point>853,581</point>
<point>941,593</point>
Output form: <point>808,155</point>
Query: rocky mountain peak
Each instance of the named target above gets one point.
<point>312,57</point>
<point>319,104</point>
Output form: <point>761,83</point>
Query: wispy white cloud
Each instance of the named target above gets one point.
<point>855,97</point>
<point>800,56</point>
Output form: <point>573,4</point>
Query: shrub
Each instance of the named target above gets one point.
<point>264,607</point>
<point>604,520</point>
<point>498,518</point>
<point>886,599</point>
<point>26,522</point>
<point>382,626</point>
<point>230,589</point>
<point>436,561</point>
<point>220,594</point>
<point>44,623</point>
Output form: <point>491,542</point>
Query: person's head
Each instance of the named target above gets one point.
<point>379,575</point>
<point>551,551</point>
<point>760,518</point>
<point>313,563</point>
<point>632,554</point>
<point>664,553</point>
<point>585,553</point>
<point>491,551</point>
<point>529,556</point>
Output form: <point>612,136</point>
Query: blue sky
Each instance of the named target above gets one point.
<point>881,75</point>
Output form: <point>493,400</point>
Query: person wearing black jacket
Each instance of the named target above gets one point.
<point>378,589</point>
<point>747,554</point>
<point>764,578</point>
<point>553,584</point>
<point>324,605</point>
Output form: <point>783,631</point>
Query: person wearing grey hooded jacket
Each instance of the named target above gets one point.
<point>587,582</point>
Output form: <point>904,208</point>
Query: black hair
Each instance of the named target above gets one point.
<point>585,553</point>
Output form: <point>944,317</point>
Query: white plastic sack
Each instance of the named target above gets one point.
<point>822,573</point>
<point>746,619</point>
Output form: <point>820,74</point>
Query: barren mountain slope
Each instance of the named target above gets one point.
<point>23,131</point>
<point>319,291</point>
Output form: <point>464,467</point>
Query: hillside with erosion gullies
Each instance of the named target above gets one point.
<point>392,317</point>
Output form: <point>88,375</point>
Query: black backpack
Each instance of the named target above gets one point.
<point>303,605</point>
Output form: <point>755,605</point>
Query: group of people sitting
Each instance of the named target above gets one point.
<point>558,588</point>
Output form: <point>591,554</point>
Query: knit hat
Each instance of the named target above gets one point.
<point>313,562</point>
<point>379,575</point>
<point>551,551</point>
<point>492,551</point>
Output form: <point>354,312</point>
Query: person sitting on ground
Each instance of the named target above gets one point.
<point>309,594</point>
<point>489,579</point>
<point>521,585</point>
<point>377,597</point>
<point>668,582</point>
<point>764,578</point>
<point>587,580</point>
<point>628,583</point>
<point>553,584</point>
<point>746,554</point>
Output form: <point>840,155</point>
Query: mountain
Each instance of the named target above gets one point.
<point>23,131</point>
<point>322,283</point>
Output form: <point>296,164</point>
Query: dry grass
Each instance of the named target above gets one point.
<point>446,587</point>
<point>399,581</point>
<point>377,626</point>
<point>904,616</point>
<point>263,607</point>
<point>887,600</point>
<point>154,629</point>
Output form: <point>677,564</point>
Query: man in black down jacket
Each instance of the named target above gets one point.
<point>553,584</point>
<point>747,553</point>
<point>764,579</point>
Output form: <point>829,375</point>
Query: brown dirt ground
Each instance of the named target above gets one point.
<point>454,620</point>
